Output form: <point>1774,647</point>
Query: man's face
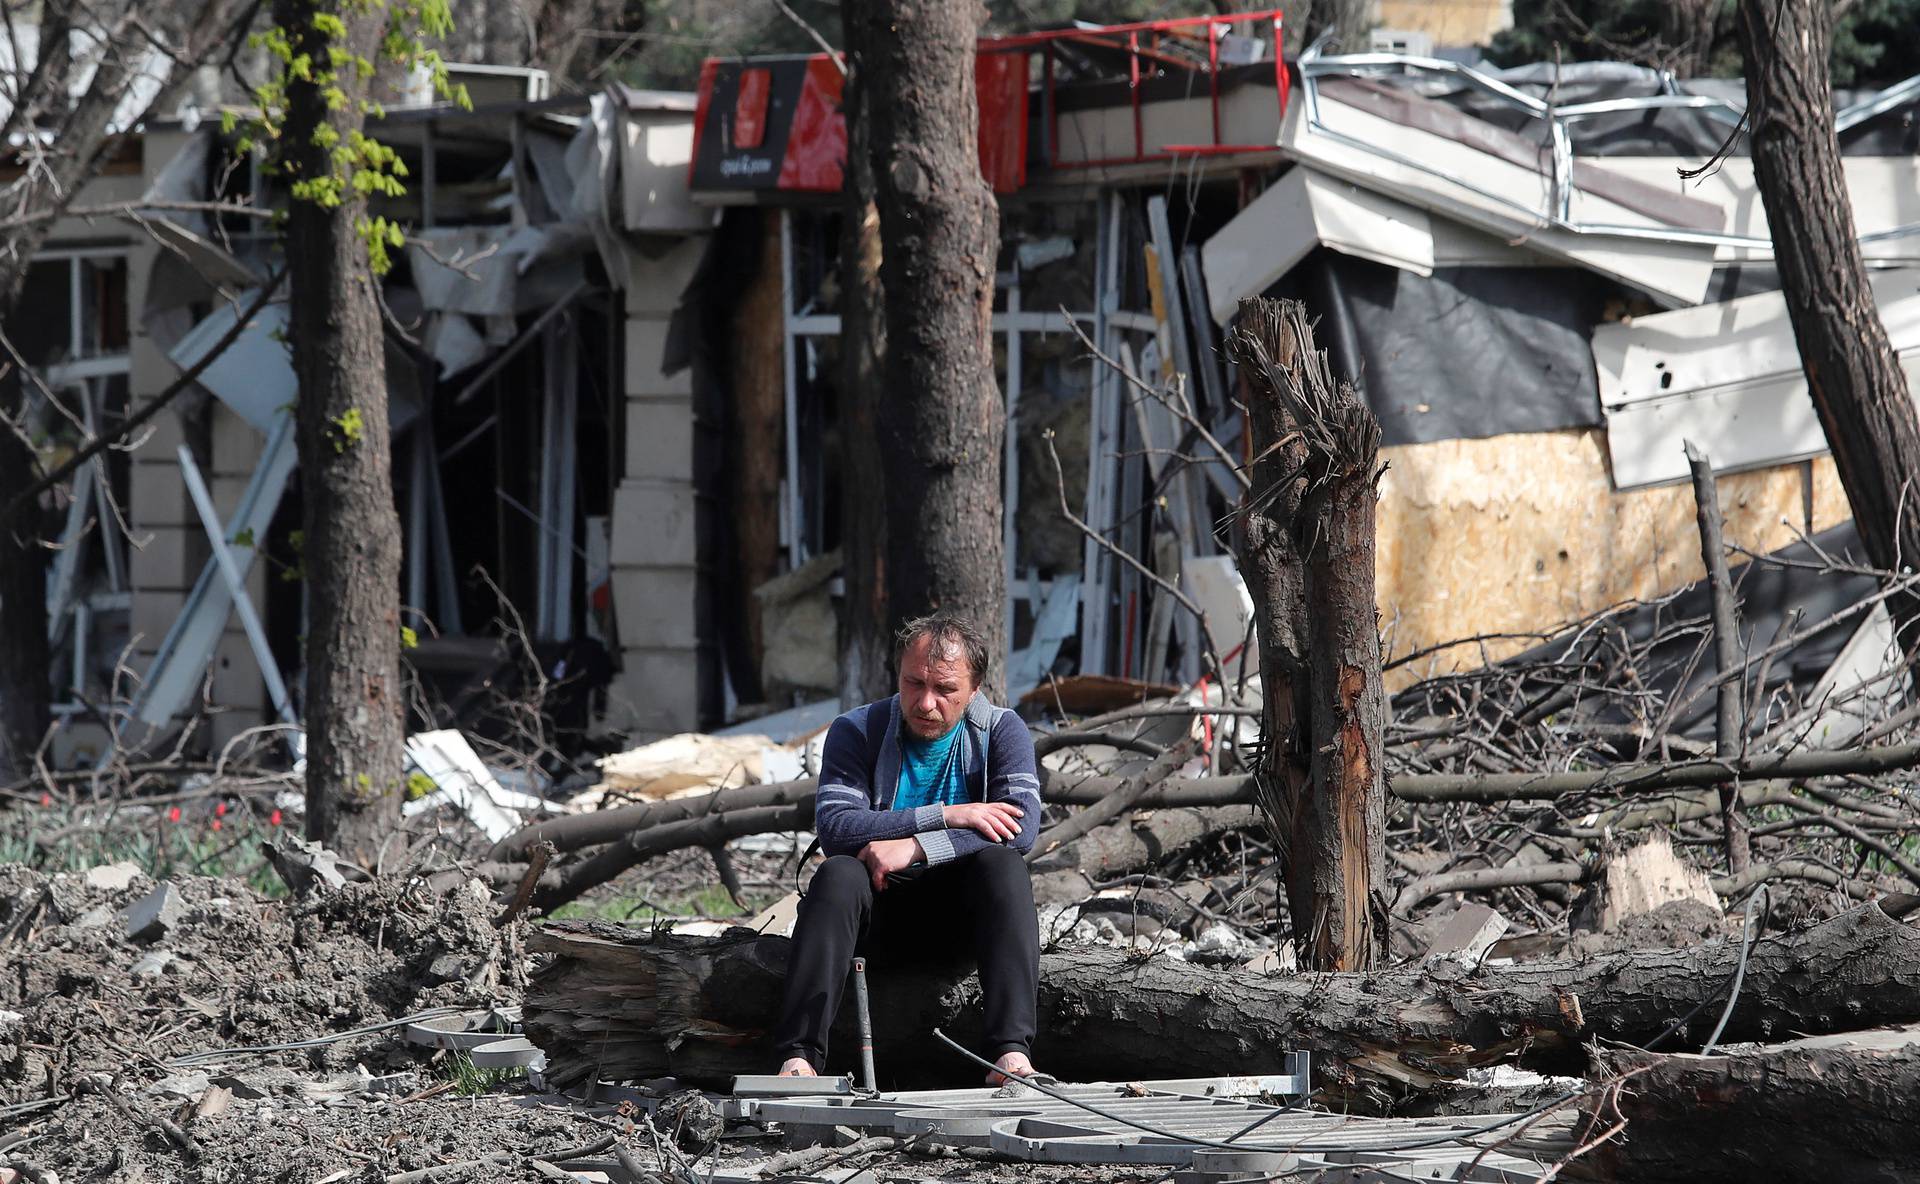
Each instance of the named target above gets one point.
<point>935,688</point>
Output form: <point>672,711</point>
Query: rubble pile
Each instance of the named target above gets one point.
<point>110,973</point>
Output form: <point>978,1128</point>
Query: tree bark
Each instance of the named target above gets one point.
<point>352,532</point>
<point>1308,531</point>
<point>943,421</point>
<point>623,1004</point>
<point>759,404</point>
<point>1276,579</point>
<point>865,649</point>
<point>1729,720</point>
<point>1825,1108</point>
<point>1858,388</point>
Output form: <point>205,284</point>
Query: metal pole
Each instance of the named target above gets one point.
<point>867,1078</point>
<point>237,588</point>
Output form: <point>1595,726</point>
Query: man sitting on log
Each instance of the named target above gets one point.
<point>927,805</point>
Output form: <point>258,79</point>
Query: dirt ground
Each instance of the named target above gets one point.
<point>106,1040</point>
<point>118,1053</point>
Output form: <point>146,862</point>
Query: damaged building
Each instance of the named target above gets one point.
<point>614,359</point>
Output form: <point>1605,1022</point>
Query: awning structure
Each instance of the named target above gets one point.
<point>1521,188</point>
<point>1302,210</point>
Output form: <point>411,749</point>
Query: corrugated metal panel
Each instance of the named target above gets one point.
<point>1494,192</point>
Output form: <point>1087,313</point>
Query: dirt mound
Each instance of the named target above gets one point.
<point>229,969</point>
<point>1673,926</point>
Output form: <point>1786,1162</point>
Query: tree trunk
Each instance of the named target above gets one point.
<point>1825,1108</point>
<point>942,423</point>
<point>1276,580</point>
<point>1687,27</point>
<point>1729,720</point>
<point>1348,821</point>
<point>759,402</point>
<point>865,646</point>
<point>622,1004</point>
<point>352,533</point>
<point>1859,391</point>
<point>1306,541</point>
<point>25,681</point>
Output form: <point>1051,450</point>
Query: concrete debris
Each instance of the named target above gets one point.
<point>306,865</point>
<point>155,914</point>
<point>152,963</point>
<point>1467,934</point>
<point>215,1102</point>
<point>398,1084</point>
<point>112,876</point>
<point>181,1085</point>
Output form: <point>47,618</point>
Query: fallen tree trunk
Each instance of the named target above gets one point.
<point>622,1004</point>
<point>577,831</point>
<point>1642,778</point>
<point>1112,849</point>
<point>1145,840</point>
<point>574,832</point>
<point>1826,1108</point>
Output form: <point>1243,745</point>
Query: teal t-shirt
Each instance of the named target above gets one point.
<point>930,771</point>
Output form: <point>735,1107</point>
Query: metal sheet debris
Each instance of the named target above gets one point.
<point>1428,155</point>
<point>1305,209</point>
<point>1190,1120</point>
<point>1728,377</point>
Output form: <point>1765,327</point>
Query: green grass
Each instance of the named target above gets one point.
<point>469,1080</point>
<point>63,837</point>
<point>711,901</point>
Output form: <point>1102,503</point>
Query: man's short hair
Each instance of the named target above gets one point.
<point>946,634</point>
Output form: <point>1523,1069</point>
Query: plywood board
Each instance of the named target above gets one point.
<point>1525,533</point>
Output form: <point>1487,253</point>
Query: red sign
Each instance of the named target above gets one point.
<point>780,125</point>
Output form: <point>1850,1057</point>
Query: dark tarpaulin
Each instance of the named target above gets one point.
<point>1465,353</point>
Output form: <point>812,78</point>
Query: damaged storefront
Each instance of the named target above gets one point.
<point>1533,300</point>
<point>614,357</point>
<point>541,247</point>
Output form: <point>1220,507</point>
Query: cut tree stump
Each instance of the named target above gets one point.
<point>621,1004</point>
<point>1836,1107</point>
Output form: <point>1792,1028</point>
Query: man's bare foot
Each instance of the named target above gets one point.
<point>1011,1062</point>
<point>797,1067</point>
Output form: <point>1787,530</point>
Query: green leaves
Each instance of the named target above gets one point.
<point>348,163</point>
<point>348,427</point>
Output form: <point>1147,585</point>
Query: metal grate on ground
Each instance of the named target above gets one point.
<point>1192,1113</point>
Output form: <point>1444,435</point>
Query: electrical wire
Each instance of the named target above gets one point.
<point>36,1104</point>
<point>1748,937</point>
<point>1305,1143</point>
<point>1752,936</point>
<point>219,1054</point>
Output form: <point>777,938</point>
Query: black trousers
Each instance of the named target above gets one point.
<point>982,903</point>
